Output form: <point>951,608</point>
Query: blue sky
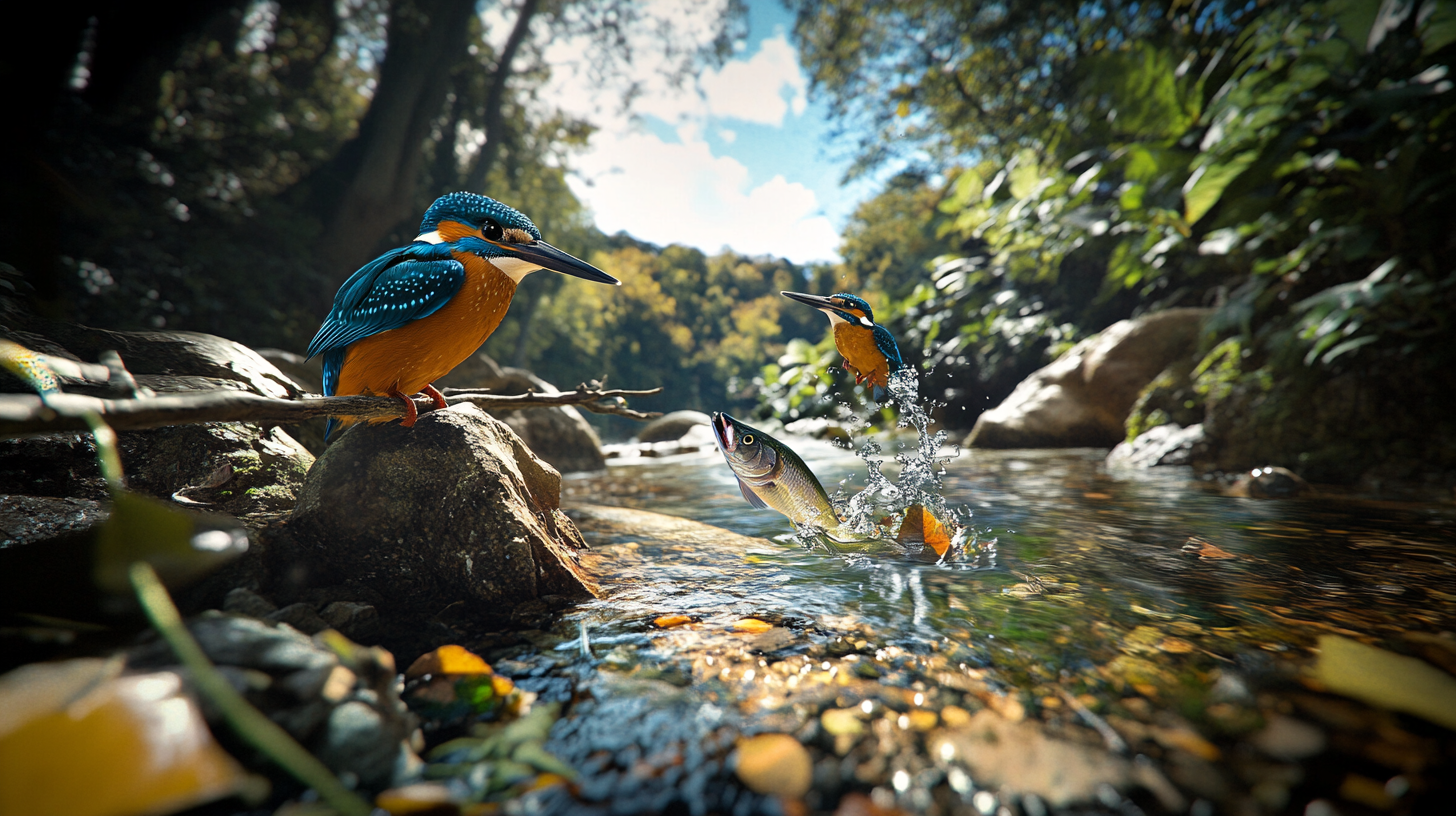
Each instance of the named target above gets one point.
<point>739,158</point>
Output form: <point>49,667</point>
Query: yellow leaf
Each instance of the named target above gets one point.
<point>77,741</point>
<point>449,659</point>
<point>669,621</point>
<point>1387,680</point>
<point>902,110</point>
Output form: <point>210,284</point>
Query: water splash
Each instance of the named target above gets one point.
<point>875,511</point>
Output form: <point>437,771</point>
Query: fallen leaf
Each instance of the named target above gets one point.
<point>1387,680</point>
<point>922,527</point>
<point>751,625</point>
<point>776,765</point>
<point>449,659</point>
<point>77,740</point>
<point>420,799</point>
<point>669,621</point>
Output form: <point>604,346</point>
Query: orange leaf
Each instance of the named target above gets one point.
<point>76,739</point>
<point>922,527</point>
<point>751,625</point>
<point>669,621</point>
<point>449,659</point>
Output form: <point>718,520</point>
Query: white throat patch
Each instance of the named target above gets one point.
<point>515,268</point>
<point>431,237</point>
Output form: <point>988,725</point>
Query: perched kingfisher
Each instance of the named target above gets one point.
<point>411,315</point>
<point>869,350</point>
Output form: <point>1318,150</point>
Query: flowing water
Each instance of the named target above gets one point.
<point>1150,600</point>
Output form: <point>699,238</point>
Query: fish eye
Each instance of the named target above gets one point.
<point>492,230</point>
<point>748,440</point>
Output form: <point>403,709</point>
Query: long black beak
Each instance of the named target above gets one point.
<point>549,257</point>
<point>810,300</point>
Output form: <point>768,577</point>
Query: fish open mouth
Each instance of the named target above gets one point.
<point>723,432</point>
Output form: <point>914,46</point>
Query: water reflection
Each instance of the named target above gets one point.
<point>1079,551</point>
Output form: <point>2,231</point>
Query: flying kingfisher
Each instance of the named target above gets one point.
<point>869,350</point>
<point>408,317</point>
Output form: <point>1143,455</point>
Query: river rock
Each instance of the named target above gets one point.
<point>235,468</point>
<point>1084,397</point>
<point>1387,424</point>
<point>673,426</point>
<point>28,519</point>
<point>453,510</point>
<point>1163,445</point>
<point>559,435</point>
<point>343,705</point>
<point>1270,483</point>
<point>308,376</point>
<point>157,354</point>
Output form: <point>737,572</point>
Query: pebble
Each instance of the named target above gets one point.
<point>775,765</point>
<point>843,721</point>
<point>246,602</point>
<point>1289,739</point>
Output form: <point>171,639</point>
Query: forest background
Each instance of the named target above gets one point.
<point>1058,165</point>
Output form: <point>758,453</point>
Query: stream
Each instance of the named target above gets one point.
<point>1158,630</point>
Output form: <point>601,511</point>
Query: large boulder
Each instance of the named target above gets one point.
<point>672,427</point>
<point>1084,397</point>
<point>236,468</point>
<point>456,510</point>
<point>160,360</point>
<point>559,435</point>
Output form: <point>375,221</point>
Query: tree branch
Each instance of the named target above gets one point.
<point>24,414</point>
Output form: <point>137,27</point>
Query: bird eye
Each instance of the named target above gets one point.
<point>492,231</point>
<point>748,440</point>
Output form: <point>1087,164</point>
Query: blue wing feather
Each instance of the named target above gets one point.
<point>885,342</point>
<point>398,287</point>
<point>333,363</point>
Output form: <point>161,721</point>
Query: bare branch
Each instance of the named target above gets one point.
<point>24,414</point>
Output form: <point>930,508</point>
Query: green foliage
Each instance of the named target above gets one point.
<point>1292,164</point>
<point>699,325</point>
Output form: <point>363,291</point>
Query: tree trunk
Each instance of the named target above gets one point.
<point>369,188</point>
<point>495,98</point>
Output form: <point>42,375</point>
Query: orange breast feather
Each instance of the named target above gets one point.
<point>408,358</point>
<point>861,355</point>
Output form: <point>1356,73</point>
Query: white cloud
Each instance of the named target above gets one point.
<point>683,194</point>
<point>753,89</point>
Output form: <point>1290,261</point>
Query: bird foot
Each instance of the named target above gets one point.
<point>410,412</point>
<point>431,392</point>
